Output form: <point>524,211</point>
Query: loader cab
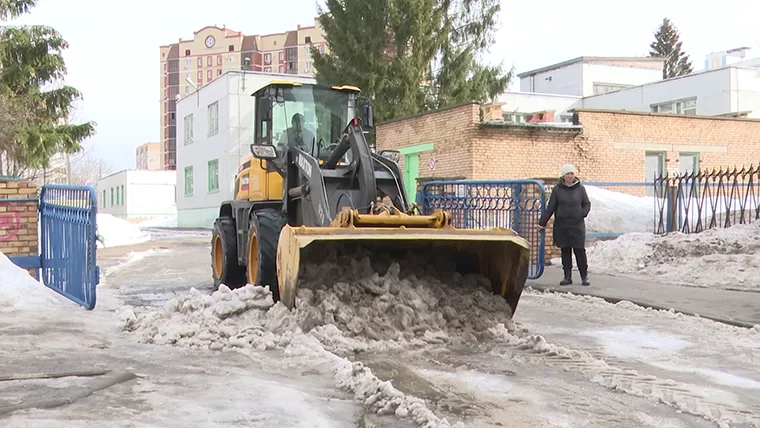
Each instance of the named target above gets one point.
<point>310,117</point>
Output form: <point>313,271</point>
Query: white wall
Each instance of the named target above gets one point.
<point>521,102</point>
<point>151,193</point>
<point>578,79</point>
<point>108,184</point>
<point>567,80</point>
<point>722,91</point>
<point>145,194</point>
<point>229,146</point>
<point>607,74</point>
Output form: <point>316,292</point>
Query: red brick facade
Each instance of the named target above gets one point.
<point>610,147</point>
<point>18,219</point>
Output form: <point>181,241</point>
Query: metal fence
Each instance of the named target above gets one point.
<point>513,204</point>
<point>692,203</point>
<point>68,241</point>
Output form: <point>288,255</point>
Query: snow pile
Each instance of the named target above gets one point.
<point>724,258</point>
<point>116,232</point>
<point>162,221</point>
<point>406,306</point>
<point>616,212</point>
<point>18,290</point>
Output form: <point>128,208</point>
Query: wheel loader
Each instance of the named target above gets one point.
<point>313,181</point>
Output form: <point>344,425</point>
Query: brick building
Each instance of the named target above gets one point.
<point>18,219</point>
<point>605,145</point>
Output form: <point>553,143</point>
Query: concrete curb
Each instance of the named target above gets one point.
<point>615,300</point>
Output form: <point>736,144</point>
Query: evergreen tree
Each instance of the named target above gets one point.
<point>35,121</point>
<point>409,56</point>
<point>667,45</point>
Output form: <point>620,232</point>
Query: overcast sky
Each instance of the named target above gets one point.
<point>113,57</point>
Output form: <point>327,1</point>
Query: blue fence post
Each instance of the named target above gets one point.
<point>516,191</point>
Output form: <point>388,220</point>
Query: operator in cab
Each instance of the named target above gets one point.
<point>297,135</point>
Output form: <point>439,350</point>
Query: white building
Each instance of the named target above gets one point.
<point>518,106</point>
<point>215,136</point>
<point>137,195</point>
<point>585,76</point>
<point>728,91</point>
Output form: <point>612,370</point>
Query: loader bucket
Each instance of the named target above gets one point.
<point>499,254</point>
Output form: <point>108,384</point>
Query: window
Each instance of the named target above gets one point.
<point>200,76</point>
<point>308,39</point>
<point>213,118</point>
<point>307,50</point>
<point>189,181</point>
<point>122,195</point>
<point>200,62</point>
<point>104,201</point>
<point>321,48</point>
<point>219,72</point>
<point>282,69</point>
<point>686,107</point>
<point>213,176</point>
<point>112,200</point>
<point>188,63</point>
<point>187,76</point>
<point>209,61</point>
<point>308,65</point>
<point>267,69</point>
<point>231,48</point>
<point>267,58</point>
<point>189,128</point>
<point>209,74</point>
<point>282,56</point>
<point>187,52</point>
<point>218,60</point>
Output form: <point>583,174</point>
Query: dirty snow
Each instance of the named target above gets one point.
<point>117,232</point>
<point>698,376</point>
<point>19,290</point>
<point>363,311</point>
<point>723,258</point>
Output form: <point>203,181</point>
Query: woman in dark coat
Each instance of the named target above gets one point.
<point>569,204</point>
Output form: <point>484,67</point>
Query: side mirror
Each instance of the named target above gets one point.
<point>368,120</point>
<point>264,106</point>
<point>393,155</point>
<point>264,151</point>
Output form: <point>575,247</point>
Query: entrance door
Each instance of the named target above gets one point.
<point>411,172</point>
<point>654,166</point>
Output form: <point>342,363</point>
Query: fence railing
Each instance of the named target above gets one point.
<point>692,203</point>
<point>513,204</point>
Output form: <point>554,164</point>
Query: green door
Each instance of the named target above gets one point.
<point>411,172</point>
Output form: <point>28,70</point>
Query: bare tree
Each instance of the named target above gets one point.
<point>87,168</point>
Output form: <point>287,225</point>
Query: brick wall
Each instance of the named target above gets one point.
<point>611,147</point>
<point>18,219</point>
<point>451,130</point>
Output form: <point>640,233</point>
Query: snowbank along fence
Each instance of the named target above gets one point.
<point>707,199</point>
<point>513,204</point>
<point>61,222</point>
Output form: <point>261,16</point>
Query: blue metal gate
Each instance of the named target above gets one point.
<point>514,204</point>
<point>68,220</point>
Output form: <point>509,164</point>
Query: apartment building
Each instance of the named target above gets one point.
<point>148,157</point>
<point>190,64</point>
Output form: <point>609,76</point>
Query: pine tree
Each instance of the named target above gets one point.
<point>667,45</point>
<point>409,56</point>
<point>35,121</point>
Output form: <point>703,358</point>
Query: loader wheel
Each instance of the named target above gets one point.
<point>224,263</point>
<point>263,236</point>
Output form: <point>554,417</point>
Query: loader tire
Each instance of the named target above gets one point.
<point>263,237</point>
<point>224,261</point>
